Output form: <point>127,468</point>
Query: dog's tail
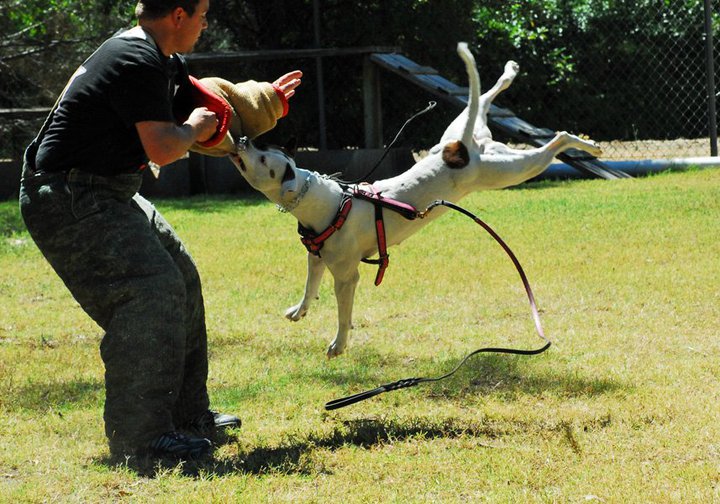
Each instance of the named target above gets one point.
<point>474,98</point>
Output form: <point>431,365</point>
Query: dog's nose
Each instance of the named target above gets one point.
<point>242,143</point>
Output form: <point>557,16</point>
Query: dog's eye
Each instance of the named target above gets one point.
<point>242,165</point>
<point>272,173</point>
<point>262,159</point>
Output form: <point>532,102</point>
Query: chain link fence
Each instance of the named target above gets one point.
<point>633,76</point>
<point>637,84</point>
<point>652,77</point>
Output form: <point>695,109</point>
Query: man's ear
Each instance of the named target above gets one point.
<point>290,146</point>
<point>178,15</point>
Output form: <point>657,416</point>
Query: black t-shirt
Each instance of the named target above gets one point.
<point>127,80</point>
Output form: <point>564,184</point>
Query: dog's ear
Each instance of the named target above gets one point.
<point>455,155</point>
<point>289,184</point>
<point>290,146</point>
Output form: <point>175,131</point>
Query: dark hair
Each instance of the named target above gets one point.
<point>155,9</point>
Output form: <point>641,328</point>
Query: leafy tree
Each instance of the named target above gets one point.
<point>586,62</point>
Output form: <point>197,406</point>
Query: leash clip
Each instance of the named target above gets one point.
<point>424,213</point>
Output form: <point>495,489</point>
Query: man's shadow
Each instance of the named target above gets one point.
<point>487,374</point>
<point>291,457</point>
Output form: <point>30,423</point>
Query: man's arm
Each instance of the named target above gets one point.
<point>165,142</point>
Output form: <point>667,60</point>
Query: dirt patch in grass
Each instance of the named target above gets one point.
<point>622,150</point>
<point>656,149</point>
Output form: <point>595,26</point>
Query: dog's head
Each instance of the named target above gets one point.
<point>269,169</point>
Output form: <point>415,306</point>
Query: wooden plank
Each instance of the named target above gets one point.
<point>499,118</point>
<point>499,112</point>
<point>440,84</point>
<point>395,62</point>
<point>239,56</point>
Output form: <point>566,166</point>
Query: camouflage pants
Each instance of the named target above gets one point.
<point>130,272</point>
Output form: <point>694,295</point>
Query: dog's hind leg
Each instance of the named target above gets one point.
<point>345,296</point>
<point>315,270</point>
<point>463,126</point>
<point>505,167</point>
<point>564,141</point>
<point>481,130</point>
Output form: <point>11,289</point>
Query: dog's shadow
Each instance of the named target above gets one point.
<point>509,376</point>
<point>297,453</point>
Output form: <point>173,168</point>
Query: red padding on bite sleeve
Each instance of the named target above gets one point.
<point>203,97</point>
<point>283,100</point>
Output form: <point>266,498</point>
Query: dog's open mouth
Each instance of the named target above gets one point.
<point>289,174</point>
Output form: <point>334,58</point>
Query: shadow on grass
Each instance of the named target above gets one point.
<point>215,203</point>
<point>302,453</point>
<point>41,396</point>
<point>506,375</point>
<point>295,454</point>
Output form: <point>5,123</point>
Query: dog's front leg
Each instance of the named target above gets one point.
<point>345,295</point>
<point>315,270</point>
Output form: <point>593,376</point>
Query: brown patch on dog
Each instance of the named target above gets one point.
<point>456,155</point>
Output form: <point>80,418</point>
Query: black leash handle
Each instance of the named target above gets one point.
<point>347,401</point>
<point>411,382</point>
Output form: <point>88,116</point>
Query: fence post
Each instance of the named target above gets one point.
<point>320,79</point>
<point>710,69</point>
<point>372,108</point>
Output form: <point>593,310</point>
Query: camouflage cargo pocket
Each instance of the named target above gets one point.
<point>83,197</point>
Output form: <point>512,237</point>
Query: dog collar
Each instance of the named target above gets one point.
<point>296,200</point>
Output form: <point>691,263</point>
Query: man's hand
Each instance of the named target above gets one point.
<point>165,142</point>
<point>288,82</point>
<point>203,122</point>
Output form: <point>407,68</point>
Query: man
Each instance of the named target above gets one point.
<point>118,257</point>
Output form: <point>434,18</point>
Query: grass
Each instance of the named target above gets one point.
<point>623,408</point>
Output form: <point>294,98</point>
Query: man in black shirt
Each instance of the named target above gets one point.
<point>117,255</point>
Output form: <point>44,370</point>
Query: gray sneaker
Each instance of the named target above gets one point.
<point>210,422</point>
<point>176,445</point>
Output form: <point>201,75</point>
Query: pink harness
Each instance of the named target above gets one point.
<point>380,202</point>
<point>314,241</point>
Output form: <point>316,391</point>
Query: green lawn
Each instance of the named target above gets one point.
<point>625,407</point>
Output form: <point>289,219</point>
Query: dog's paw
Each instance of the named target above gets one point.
<point>335,349</point>
<point>595,150</point>
<point>510,72</point>
<point>296,312</point>
<point>588,145</point>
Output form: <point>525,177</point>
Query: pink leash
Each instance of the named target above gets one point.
<point>411,382</point>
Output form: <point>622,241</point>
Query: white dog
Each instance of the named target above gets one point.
<point>465,160</point>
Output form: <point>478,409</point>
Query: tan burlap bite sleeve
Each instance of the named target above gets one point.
<point>256,110</point>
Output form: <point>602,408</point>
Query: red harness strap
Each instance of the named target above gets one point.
<point>383,259</point>
<point>314,241</point>
<point>376,198</point>
<point>379,201</point>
